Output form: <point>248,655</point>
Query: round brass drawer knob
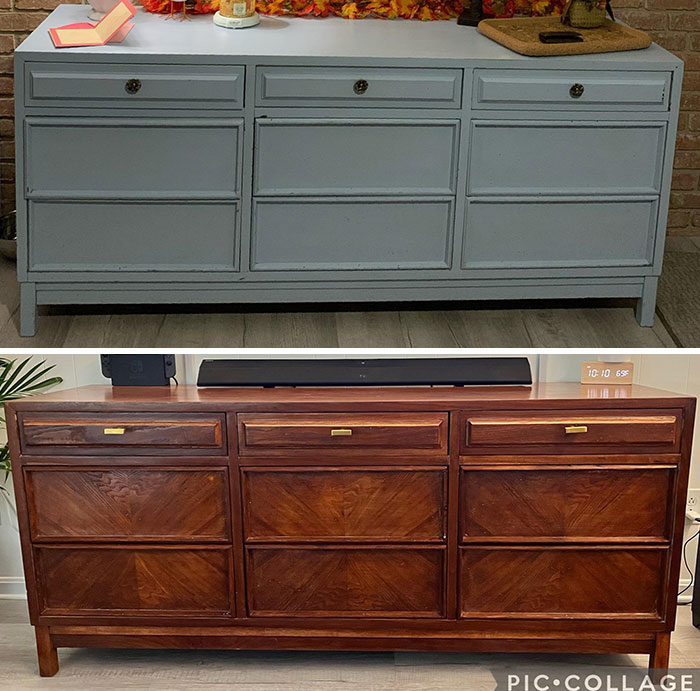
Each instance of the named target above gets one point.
<point>132,86</point>
<point>360,86</point>
<point>576,91</point>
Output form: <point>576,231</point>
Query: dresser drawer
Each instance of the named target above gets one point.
<point>316,504</point>
<point>573,431</point>
<point>559,503</point>
<point>355,234</point>
<point>130,235</point>
<point>562,582</point>
<point>535,233</point>
<point>123,580</point>
<point>358,87</point>
<point>379,433</point>
<point>567,89</point>
<point>347,581</point>
<point>133,86</point>
<point>122,433</point>
<point>128,504</point>
<point>164,157</point>
<point>320,156</point>
<point>624,157</point>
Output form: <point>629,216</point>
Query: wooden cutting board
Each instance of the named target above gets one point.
<point>522,35</point>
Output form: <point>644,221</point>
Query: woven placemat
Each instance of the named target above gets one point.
<point>522,34</point>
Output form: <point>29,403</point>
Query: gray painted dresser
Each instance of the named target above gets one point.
<point>332,160</point>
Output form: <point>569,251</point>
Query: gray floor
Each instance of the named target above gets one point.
<point>600,323</point>
<point>95,670</point>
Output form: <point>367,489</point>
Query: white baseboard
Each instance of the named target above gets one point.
<point>12,588</point>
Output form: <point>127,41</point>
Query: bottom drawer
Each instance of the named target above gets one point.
<point>131,580</point>
<point>356,582</point>
<point>574,582</point>
<point>137,236</point>
<point>299,235</point>
<point>559,233</point>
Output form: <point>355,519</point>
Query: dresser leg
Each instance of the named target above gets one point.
<point>646,305</point>
<point>27,310</point>
<point>658,660</point>
<point>46,652</point>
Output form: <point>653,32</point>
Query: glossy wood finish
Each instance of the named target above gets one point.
<point>124,579</point>
<point>345,582</point>
<point>577,503</point>
<point>344,505</point>
<point>575,431</point>
<point>574,582</point>
<point>50,433</point>
<point>46,652</point>
<point>385,433</point>
<point>409,540</point>
<point>128,504</point>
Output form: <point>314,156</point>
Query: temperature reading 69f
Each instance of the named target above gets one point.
<point>605,372</point>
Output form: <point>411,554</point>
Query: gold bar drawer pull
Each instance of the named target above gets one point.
<point>114,430</point>
<point>575,429</point>
<point>341,432</point>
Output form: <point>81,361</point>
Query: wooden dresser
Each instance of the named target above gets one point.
<point>336,161</point>
<point>456,519</point>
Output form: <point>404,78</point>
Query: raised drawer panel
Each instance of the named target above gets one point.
<point>532,234</point>
<point>122,433</point>
<point>345,86</point>
<point>355,157</point>
<point>567,582</point>
<point>564,157</point>
<point>391,433</point>
<point>141,157</point>
<point>123,580</point>
<point>317,504</point>
<point>128,504</point>
<point>346,582</point>
<point>160,86</point>
<point>547,89</point>
<point>561,504</point>
<point>359,234</point>
<point>137,236</point>
<point>643,431</point>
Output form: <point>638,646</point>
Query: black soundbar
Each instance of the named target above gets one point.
<point>477,371</point>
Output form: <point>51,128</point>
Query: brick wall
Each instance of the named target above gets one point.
<point>675,24</point>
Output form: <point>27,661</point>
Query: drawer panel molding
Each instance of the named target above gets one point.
<point>552,89</point>
<point>307,433</point>
<point>344,505</point>
<point>358,87</point>
<point>566,504</point>
<point>159,86</point>
<point>573,431</point>
<point>122,580</point>
<point>123,433</point>
<point>355,157</point>
<point>564,157</point>
<point>120,504</point>
<point>562,582</point>
<point>346,582</point>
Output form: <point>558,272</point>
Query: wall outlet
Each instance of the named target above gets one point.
<point>694,499</point>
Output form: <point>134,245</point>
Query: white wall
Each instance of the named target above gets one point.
<point>673,372</point>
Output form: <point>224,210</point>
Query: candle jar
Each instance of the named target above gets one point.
<point>237,8</point>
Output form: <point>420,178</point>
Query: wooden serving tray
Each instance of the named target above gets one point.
<point>522,35</point>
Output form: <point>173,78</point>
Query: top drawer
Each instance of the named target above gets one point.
<point>573,431</point>
<point>401,434</point>
<point>571,89</point>
<point>133,86</point>
<point>358,87</point>
<point>134,434</point>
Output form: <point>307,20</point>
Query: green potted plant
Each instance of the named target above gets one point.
<point>18,380</point>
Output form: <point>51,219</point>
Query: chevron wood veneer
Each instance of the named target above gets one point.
<point>543,519</point>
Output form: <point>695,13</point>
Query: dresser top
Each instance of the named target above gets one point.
<point>567,394</point>
<point>308,39</point>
